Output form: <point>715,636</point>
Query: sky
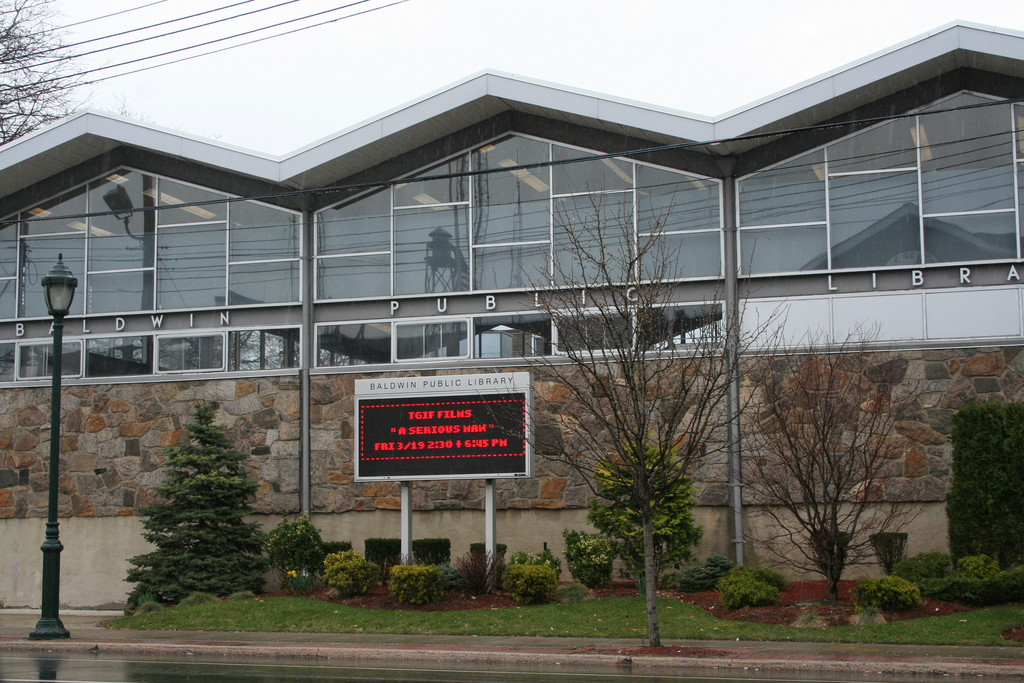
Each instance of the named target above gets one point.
<point>284,93</point>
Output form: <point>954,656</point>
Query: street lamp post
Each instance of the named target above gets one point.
<point>59,289</point>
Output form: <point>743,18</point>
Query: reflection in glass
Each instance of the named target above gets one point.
<point>190,353</point>
<point>128,291</point>
<point>783,250</point>
<point>889,145</point>
<point>212,206</point>
<point>673,257</point>
<point>260,232</point>
<point>263,349</point>
<point>431,340</point>
<point>123,239</point>
<point>668,202</point>
<point>358,344</point>
<point>38,256</point>
<point>674,327</point>
<point>791,193</point>
<point>511,336</point>
<point>190,267</point>
<point>598,175</point>
<point>362,226</point>
<point>970,237</point>
<point>874,220</point>
<point>511,267</point>
<point>430,250</point>
<point>593,333</point>
<point>353,277</point>
<point>8,249</point>
<point>263,283</point>
<point>593,238</point>
<point>36,360</point>
<point>116,356</point>
<point>511,205</point>
<point>966,157</point>
<point>440,191</point>
<point>63,214</point>
<point>6,362</point>
<point>8,298</point>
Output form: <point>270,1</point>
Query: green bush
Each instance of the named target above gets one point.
<point>417,584</point>
<point>241,595</point>
<point>295,549</point>
<point>452,576</point>
<point>331,547</point>
<point>704,577</point>
<point>934,565</point>
<point>746,587</point>
<point>383,552</point>
<point>985,504</point>
<point>149,606</point>
<point>977,567</point>
<point>197,598</point>
<point>589,557</point>
<point>890,547</point>
<point>770,577</point>
<point>530,583</point>
<point>1004,587</point>
<point>432,550</point>
<point>545,557</point>
<point>499,548</point>
<point>891,594</point>
<point>349,573</point>
<point>573,592</point>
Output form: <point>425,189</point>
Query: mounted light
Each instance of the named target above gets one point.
<point>59,288</point>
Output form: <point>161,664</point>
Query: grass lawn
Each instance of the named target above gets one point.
<point>611,617</point>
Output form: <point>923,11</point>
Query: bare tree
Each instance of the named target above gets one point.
<point>822,452</point>
<point>646,379</point>
<point>36,69</point>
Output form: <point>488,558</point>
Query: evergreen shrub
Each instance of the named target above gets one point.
<point>295,549</point>
<point>704,577</point>
<point>891,594</point>
<point>933,565</point>
<point>544,557</point>
<point>432,550</point>
<point>890,547</point>
<point>499,548</point>
<point>589,557</point>
<point>350,574</point>
<point>977,567</point>
<point>530,583</point>
<point>747,587</point>
<point>383,552</point>
<point>417,584</point>
<point>331,547</point>
<point>1004,587</point>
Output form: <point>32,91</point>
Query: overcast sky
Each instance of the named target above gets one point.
<point>277,95</point>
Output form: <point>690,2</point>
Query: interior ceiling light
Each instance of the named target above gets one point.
<point>819,171</point>
<point>921,140</point>
<point>524,175</point>
<point>424,198</point>
<point>39,212</point>
<point>487,148</point>
<point>610,163</point>
<point>117,178</point>
<point>174,201</point>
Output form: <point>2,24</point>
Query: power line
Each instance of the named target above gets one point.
<point>108,16</point>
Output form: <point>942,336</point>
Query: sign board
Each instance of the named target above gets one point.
<point>443,427</point>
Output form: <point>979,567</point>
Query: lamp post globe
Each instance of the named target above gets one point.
<point>59,290</point>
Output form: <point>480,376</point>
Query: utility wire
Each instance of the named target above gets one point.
<point>107,16</point>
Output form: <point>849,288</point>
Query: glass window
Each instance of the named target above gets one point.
<point>6,362</point>
<point>123,239</point>
<point>116,356</point>
<point>593,333</point>
<point>353,277</point>
<point>430,250</point>
<point>263,349</point>
<point>890,145</point>
<point>874,220</point>
<point>966,157</point>
<point>263,283</point>
<point>38,256</point>
<point>598,175</point>
<point>511,336</point>
<point>783,250</point>
<point>358,344</point>
<point>178,354</point>
<point>673,327</point>
<point>673,257</point>
<point>36,360</point>
<point>513,205</point>
<point>190,271</point>
<point>970,237</point>
<point>8,298</point>
<point>668,202</point>
<point>791,193</point>
<point>125,291</point>
<point>362,226</point>
<point>431,340</point>
<point>259,232</point>
<point>1019,116</point>
<point>440,191</point>
<point>8,249</point>
<point>511,267</point>
<point>212,206</point>
<point>593,238</point>
<point>63,214</point>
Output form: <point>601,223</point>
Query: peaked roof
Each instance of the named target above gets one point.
<point>83,136</point>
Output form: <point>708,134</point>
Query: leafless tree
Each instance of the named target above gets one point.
<point>822,452</point>
<point>36,69</point>
<point>641,374</point>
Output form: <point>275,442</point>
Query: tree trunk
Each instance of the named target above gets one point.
<point>651,585</point>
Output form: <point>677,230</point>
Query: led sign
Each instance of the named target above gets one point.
<point>453,427</point>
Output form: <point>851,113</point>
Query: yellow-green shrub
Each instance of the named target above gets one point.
<point>530,583</point>
<point>417,584</point>
<point>891,594</point>
<point>349,573</point>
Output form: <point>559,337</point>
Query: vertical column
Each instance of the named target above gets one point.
<point>308,273</point>
<point>732,341</point>
<point>490,520</point>
<point>406,522</point>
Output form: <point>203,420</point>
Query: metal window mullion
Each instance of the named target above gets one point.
<point>1018,173</point>
<point>828,212</point>
<point>920,188</point>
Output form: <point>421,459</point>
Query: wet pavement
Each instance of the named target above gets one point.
<point>88,635</point>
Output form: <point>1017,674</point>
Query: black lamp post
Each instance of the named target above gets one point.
<point>59,289</point>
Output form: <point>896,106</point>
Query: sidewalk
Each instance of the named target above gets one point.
<point>89,635</point>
